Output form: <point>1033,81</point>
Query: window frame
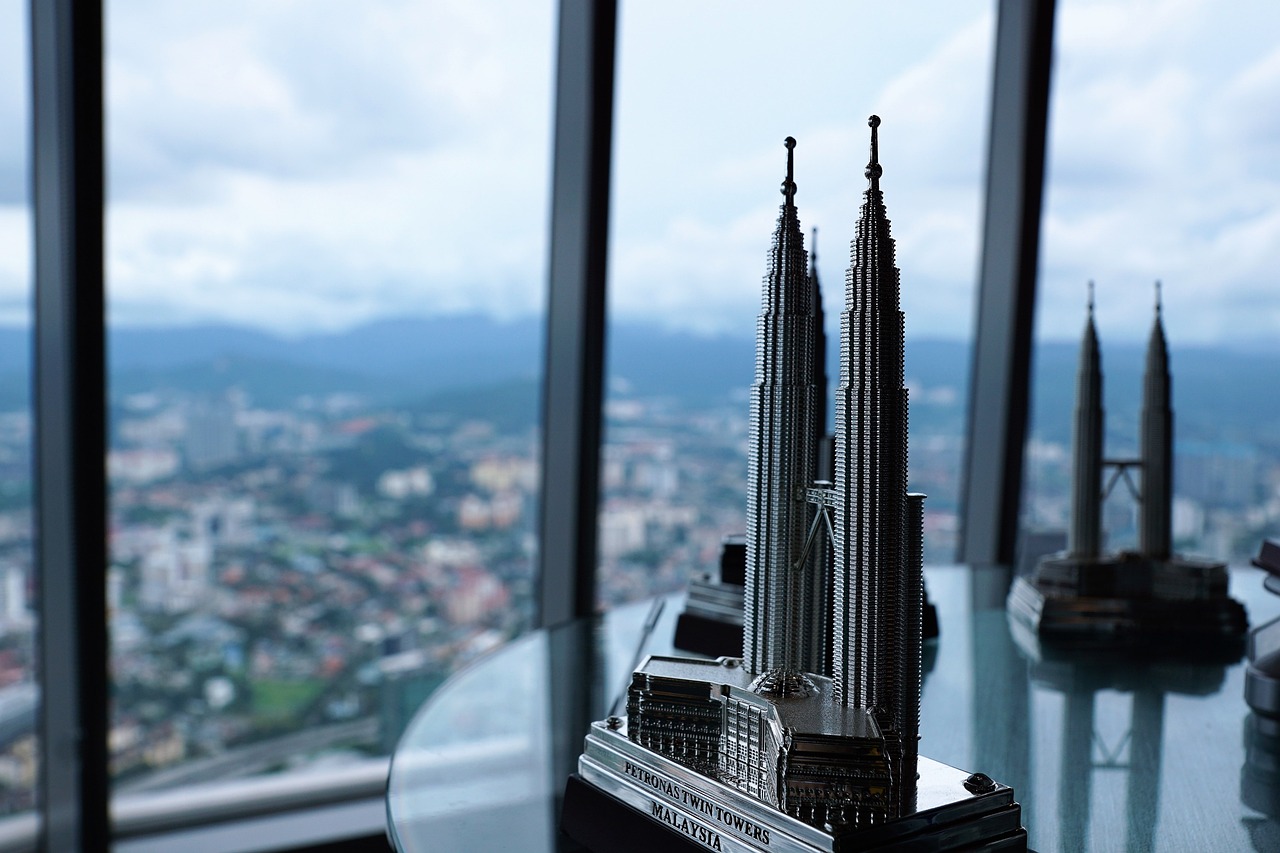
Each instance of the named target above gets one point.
<point>69,401</point>
<point>70,384</point>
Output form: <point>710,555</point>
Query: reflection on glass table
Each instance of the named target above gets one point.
<point>1104,753</point>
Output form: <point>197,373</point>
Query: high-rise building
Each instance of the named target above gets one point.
<point>211,439</point>
<point>781,460</point>
<point>816,651</point>
<point>876,625</point>
<point>15,604</point>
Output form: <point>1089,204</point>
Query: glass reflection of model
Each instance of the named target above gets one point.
<point>1151,597</point>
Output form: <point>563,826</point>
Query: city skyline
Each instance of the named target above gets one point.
<point>251,182</point>
<point>672,480</point>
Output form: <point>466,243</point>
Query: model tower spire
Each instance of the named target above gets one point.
<point>781,462</point>
<point>817,657</point>
<point>1084,542</point>
<point>1155,537</point>
<point>823,471</point>
<point>870,635</point>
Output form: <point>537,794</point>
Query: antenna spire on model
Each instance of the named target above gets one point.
<point>789,185</point>
<point>874,170</point>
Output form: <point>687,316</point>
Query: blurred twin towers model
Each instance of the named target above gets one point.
<point>1150,599</point>
<point>809,741</point>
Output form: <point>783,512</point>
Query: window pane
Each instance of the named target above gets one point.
<point>706,94</point>
<point>18,693</point>
<point>326,263</point>
<point>1163,166</point>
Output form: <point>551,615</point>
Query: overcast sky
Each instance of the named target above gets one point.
<point>306,164</point>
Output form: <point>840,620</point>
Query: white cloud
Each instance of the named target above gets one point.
<point>1244,120</point>
<point>14,63</point>
<point>312,87</point>
<point>15,265</point>
<point>15,228</point>
<point>404,239</point>
<point>305,164</point>
<point>690,247</point>
<point>1119,36</point>
<point>1163,167</point>
<point>308,163</point>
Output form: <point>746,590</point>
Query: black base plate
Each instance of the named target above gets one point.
<point>709,637</point>
<point>600,823</point>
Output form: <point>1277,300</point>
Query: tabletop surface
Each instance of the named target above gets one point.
<point>1103,753</point>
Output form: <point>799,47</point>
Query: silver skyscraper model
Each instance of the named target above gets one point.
<point>875,627</point>
<point>811,737</point>
<point>1150,599</point>
<point>781,462</point>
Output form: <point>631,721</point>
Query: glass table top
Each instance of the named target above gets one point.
<point>1103,753</point>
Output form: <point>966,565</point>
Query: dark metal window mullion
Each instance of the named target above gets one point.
<point>1000,379</point>
<point>69,402</point>
<point>574,381</point>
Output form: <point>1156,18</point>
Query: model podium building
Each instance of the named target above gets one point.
<point>809,741</point>
<point>1150,597</point>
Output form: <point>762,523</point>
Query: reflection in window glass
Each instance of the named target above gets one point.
<point>18,693</point>
<point>1164,166</point>
<point>702,109</point>
<point>326,254</point>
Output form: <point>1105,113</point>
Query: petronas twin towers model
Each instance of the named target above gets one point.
<point>1150,599</point>
<point>809,741</point>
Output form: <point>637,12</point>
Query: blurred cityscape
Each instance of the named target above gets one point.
<point>289,580</point>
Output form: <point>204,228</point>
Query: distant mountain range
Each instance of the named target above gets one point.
<point>1219,394</point>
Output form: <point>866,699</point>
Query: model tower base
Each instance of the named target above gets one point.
<point>711,623</point>
<point>626,797</point>
<point>1179,605</point>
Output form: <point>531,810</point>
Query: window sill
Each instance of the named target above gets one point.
<point>294,811</point>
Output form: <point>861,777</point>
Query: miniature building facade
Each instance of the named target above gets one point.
<point>821,717</point>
